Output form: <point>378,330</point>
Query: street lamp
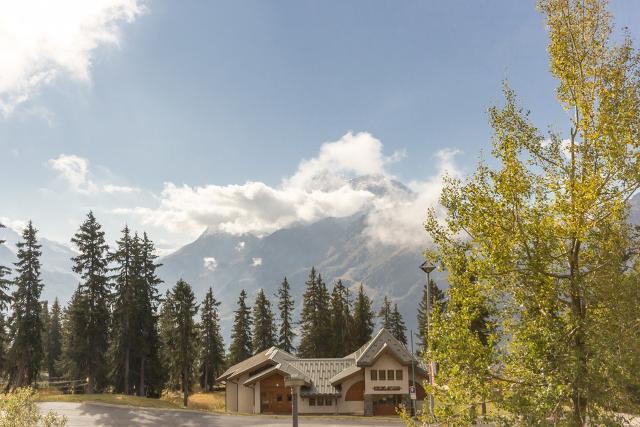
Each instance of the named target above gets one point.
<point>294,381</point>
<point>428,267</point>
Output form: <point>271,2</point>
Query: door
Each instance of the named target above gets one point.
<point>386,404</point>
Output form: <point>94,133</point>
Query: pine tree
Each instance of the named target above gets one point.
<point>212,345</point>
<point>398,328</point>
<point>385,314</point>
<point>92,265</point>
<point>5,300</point>
<point>362,319</point>
<point>315,319</point>
<point>180,336</point>
<point>264,328</point>
<point>340,320</point>
<point>125,329</point>
<point>285,305</point>
<point>150,374</point>
<point>45,319</point>
<point>25,355</point>
<point>241,342</point>
<point>437,303</point>
<point>73,363</point>
<point>54,349</point>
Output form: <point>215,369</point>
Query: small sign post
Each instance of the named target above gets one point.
<point>412,392</point>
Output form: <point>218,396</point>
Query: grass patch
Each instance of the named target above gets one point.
<point>213,401</point>
<point>113,399</point>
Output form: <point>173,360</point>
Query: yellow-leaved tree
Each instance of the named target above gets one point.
<point>542,320</point>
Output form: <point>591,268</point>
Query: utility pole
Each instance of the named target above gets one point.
<point>412,389</point>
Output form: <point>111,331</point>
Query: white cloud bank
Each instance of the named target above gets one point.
<point>346,177</point>
<point>210,263</point>
<point>41,40</point>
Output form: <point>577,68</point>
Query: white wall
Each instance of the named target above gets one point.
<point>230,397</point>
<point>304,408</point>
<point>386,362</point>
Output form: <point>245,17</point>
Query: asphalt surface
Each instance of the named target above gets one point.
<point>95,414</point>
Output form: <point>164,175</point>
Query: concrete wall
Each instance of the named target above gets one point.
<point>231,401</point>
<point>304,408</point>
<point>256,398</point>
<point>386,362</point>
<point>241,398</point>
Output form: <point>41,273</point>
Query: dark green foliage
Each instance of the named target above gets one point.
<point>241,342</point>
<point>5,300</point>
<point>44,321</point>
<point>315,319</point>
<point>54,342</point>
<point>385,313</point>
<point>26,352</point>
<point>285,306</point>
<point>179,337</point>
<point>340,320</point>
<point>437,302</point>
<point>93,304</point>
<point>398,328</point>
<point>264,326</point>
<point>212,346</point>
<point>362,319</point>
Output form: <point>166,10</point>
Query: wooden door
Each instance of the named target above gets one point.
<point>275,398</point>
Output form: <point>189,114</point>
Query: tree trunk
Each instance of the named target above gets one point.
<point>206,377</point>
<point>126,371</point>
<point>141,391</point>
<point>185,389</point>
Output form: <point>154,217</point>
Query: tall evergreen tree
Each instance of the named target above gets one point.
<point>92,266</point>
<point>150,374</point>
<point>285,306</point>
<point>362,319</point>
<point>180,336</point>
<point>45,319</point>
<point>125,329</point>
<point>241,341</point>
<point>212,345</point>
<point>398,327</point>
<point>437,303</point>
<point>315,319</point>
<point>5,300</point>
<point>340,320</point>
<point>73,362</point>
<point>264,328</point>
<point>385,314</point>
<point>25,355</point>
<point>54,349</point>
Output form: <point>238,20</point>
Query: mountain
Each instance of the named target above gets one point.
<point>57,275</point>
<point>339,248</point>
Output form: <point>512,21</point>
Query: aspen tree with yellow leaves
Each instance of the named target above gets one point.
<point>543,242</point>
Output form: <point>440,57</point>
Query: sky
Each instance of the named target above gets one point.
<point>249,116</point>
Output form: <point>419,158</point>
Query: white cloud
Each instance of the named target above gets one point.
<point>256,262</point>
<point>347,176</point>
<point>43,40</point>
<point>123,189</point>
<point>210,263</point>
<point>74,170</point>
<point>240,246</point>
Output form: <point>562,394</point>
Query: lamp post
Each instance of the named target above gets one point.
<point>294,382</point>
<point>428,267</point>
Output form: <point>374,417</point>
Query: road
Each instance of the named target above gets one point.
<point>95,414</point>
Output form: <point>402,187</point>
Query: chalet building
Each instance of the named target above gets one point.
<point>374,380</point>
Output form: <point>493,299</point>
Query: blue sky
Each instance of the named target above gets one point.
<point>211,94</point>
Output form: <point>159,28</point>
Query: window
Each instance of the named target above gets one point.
<point>382,374</point>
<point>320,401</point>
<point>288,398</point>
<point>399,374</point>
<point>374,375</point>
<point>312,401</point>
<point>279,398</point>
<point>390,374</point>
<point>328,401</point>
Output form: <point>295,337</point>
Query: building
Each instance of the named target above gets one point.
<point>374,380</point>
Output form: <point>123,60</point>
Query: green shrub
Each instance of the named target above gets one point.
<point>19,409</point>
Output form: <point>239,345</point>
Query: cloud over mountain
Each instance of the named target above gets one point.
<point>345,177</point>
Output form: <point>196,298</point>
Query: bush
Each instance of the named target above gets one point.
<point>19,409</point>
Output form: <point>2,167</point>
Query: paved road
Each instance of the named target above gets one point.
<point>94,414</point>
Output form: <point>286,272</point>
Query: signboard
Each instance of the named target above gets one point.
<point>412,392</point>
<point>386,387</point>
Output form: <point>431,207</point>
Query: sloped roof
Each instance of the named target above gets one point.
<point>321,375</point>
<point>320,372</point>
<point>381,342</point>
